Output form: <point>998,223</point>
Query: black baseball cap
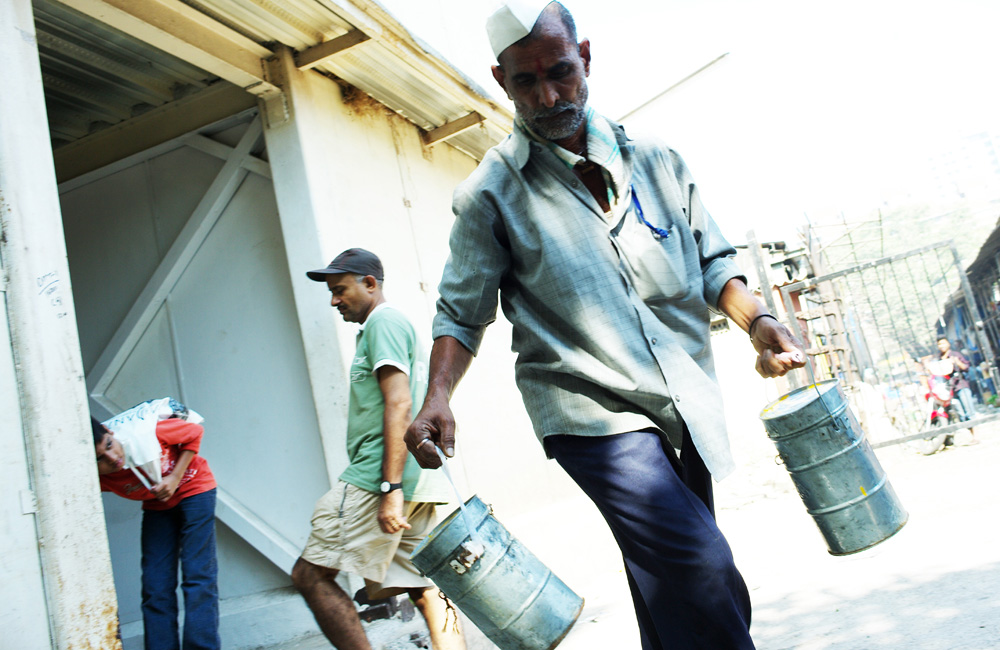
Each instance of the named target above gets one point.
<point>353,260</point>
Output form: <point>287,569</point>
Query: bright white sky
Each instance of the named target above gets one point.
<point>818,108</point>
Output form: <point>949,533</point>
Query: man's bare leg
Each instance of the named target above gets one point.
<point>333,608</point>
<point>446,632</point>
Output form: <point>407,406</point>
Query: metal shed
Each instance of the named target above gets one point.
<point>167,171</point>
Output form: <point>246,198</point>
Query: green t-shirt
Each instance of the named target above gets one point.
<point>387,338</point>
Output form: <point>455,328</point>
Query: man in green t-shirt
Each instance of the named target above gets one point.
<point>384,503</point>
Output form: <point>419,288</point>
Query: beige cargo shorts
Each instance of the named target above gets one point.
<point>346,536</point>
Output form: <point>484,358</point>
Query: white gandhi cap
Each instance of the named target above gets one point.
<point>512,22</point>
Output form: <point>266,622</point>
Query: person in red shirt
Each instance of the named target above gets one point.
<point>959,380</point>
<point>178,524</point>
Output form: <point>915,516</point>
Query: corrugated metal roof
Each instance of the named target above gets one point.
<point>96,76</point>
<point>379,66</point>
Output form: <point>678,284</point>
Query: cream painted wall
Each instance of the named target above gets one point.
<point>374,185</point>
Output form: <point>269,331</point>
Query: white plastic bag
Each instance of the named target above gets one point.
<point>136,431</point>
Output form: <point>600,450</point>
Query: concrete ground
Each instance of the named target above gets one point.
<point>933,586</point>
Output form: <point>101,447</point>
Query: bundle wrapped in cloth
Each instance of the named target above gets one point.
<point>136,431</point>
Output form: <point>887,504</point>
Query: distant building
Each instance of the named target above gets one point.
<point>974,330</point>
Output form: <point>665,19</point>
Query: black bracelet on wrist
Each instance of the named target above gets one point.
<point>754,321</point>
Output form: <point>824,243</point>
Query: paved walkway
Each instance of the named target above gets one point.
<point>933,586</point>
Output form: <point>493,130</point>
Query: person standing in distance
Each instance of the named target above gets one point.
<point>607,265</point>
<point>384,503</point>
<point>959,384</point>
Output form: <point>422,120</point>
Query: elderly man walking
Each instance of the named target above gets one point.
<point>607,265</point>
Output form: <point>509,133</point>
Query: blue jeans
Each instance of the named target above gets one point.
<point>185,532</point>
<point>686,590</point>
<point>966,402</point>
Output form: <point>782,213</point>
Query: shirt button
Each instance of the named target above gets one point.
<point>677,398</point>
<point>653,341</point>
<point>575,184</point>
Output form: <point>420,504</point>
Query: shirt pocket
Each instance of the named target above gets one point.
<point>654,264</point>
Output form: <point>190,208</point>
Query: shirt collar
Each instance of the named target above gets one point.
<point>603,150</point>
<point>377,309</point>
<point>520,146</point>
<point>518,143</point>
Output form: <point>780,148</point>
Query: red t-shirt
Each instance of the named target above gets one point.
<point>175,436</point>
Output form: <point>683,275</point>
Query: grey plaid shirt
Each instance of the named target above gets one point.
<point>610,320</point>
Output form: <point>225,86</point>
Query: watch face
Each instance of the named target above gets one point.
<point>385,486</point>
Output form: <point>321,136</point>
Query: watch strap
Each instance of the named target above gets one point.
<point>387,487</point>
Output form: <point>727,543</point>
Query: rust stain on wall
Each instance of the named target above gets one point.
<point>361,103</point>
<point>99,630</point>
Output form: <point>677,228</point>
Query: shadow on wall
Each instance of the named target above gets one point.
<point>951,611</point>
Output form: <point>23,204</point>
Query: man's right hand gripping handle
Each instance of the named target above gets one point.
<point>435,423</point>
<point>433,426</point>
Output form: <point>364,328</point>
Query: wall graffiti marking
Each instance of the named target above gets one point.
<point>49,287</point>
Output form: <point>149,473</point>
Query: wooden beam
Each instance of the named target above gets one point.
<point>451,129</point>
<point>315,55</point>
<point>184,32</point>
<point>221,151</point>
<point>159,125</point>
<point>370,17</point>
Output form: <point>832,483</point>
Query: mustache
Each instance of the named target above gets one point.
<point>560,106</point>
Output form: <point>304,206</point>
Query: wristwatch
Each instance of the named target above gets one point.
<point>386,487</point>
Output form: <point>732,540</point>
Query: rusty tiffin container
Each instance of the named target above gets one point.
<point>505,590</point>
<point>833,467</point>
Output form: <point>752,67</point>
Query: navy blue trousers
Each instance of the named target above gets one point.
<point>186,533</point>
<point>687,592</point>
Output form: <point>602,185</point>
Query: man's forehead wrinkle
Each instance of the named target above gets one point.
<point>538,63</point>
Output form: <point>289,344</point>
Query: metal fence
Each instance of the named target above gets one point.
<point>875,327</point>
